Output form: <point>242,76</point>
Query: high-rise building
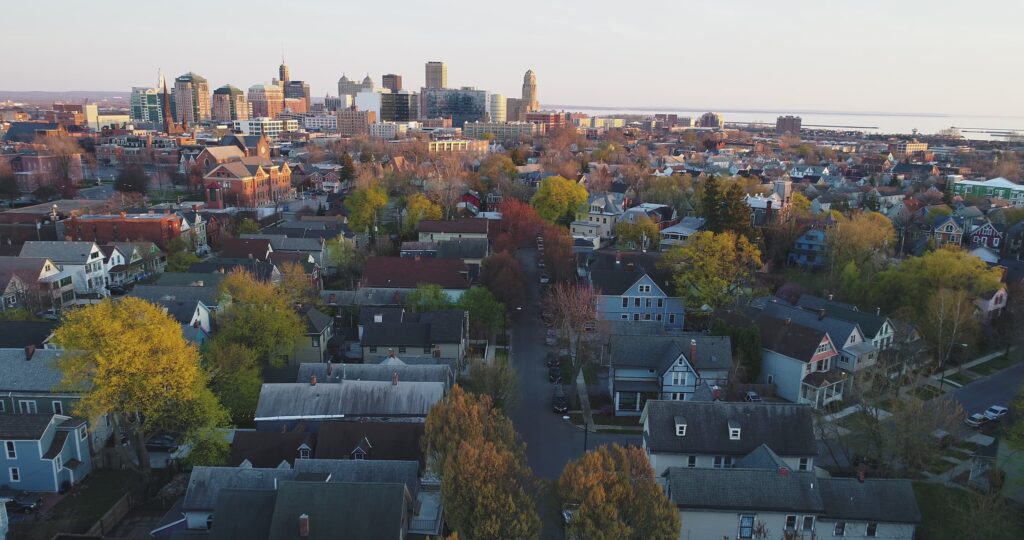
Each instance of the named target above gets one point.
<point>229,103</point>
<point>549,119</point>
<point>267,100</point>
<point>297,90</point>
<point>264,126</point>
<point>392,82</point>
<point>530,91</point>
<point>496,108</point>
<point>788,124</point>
<point>515,110</point>
<point>192,99</point>
<point>352,121</point>
<point>332,103</point>
<point>282,72</point>
<point>348,87</point>
<point>401,106</point>
<point>503,131</point>
<point>145,104</point>
<point>437,75</point>
<point>462,105</point>
<point>711,120</point>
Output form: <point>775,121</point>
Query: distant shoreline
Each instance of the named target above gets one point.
<point>651,109</point>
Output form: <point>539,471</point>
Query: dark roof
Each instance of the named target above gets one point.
<point>388,314</point>
<point>353,399</point>
<point>242,248</point>
<point>380,440</point>
<point>370,471</point>
<point>205,483</point>
<point>465,225</point>
<point>316,321</point>
<point>787,429</point>
<point>180,302</point>
<point>890,501</point>
<point>353,511</point>
<point>463,248</point>
<point>744,489</point>
<point>789,338</point>
<point>615,282</point>
<point>189,279</point>
<point>243,513</point>
<point>262,270</point>
<point>267,449</point>
<point>838,329</point>
<point>23,426</point>
<point>373,372</point>
<point>56,445</point>
<point>417,330</point>
<point>15,334</point>
<point>870,323</point>
<point>40,374</point>
<point>761,457</point>
<point>406,273</point>
<point>659,352</point>
<point>26,131</point>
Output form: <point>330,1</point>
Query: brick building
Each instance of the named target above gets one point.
<point>248,182</point>
<point>108,228</point>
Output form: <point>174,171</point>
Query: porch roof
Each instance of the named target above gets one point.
<point>637,386</point>
<point>820,379</point>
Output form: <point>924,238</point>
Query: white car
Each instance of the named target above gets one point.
<point>995,412</point>
<point>976,420</point>
<point>544,278</point>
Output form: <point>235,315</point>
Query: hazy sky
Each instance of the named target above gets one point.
<point>942,56</point>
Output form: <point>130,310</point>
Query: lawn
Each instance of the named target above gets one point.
<point>943,518</point>
<point>500,354</point>
<point>83,508</point>
<point>925,392</point>
<point>998,363</point>
<point>959,378</point>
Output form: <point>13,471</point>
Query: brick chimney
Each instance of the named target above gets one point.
<point>394,378</point>
<point>29,351</point>
<point>821,314</point>
<point>784,472</point>
<point>304,526</point>
<point>693,351</point>
<point>862,472</point>
<point>312,380</point>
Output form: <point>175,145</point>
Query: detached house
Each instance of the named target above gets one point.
<point>43,452</point>
<point>627,291</point>
<point>34,283</point>
<point>82,260</point>
<point>802,362</point>
<point>603,212</point>
<point>436,230</point>
<point>856,352</point>
<point>809,250</point>
<point>390,335</point>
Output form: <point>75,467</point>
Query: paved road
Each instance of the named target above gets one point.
<point>550,441</point>
<point>101,192</point>
<point>997,389</point>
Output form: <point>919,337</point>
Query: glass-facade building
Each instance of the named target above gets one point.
<point>460,104</point>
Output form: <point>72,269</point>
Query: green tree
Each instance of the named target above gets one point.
<point>497,379</point>
<point>486,313</point>
<point>259,316</point>
<point>417,208</point>
<point>234,377</point>
<point>712,269</point>
<point>179,258</point>
<point>247,226</point>
<point>348,167</point>
<point>735,212</point>
<point>641,233</point>
<point>363,205</point>
<point>343,259</point>
<point>616,497</point>
<point>558,198</point>
<point>428,297</point>
<point>861,239</point>
<point>711,203</point>
<point>130,360</point>
<point>497,169</point>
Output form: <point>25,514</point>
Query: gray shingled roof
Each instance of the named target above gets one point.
<point>888,500</point>
<point>745,489</point>
<point>368,471</point>
<point>206,482</point>
<point>786,428</point>
<point>23,426</point>
<point>340,510</point>
<point>659,352</point>
<point>838,329</point>
<point>60,252</point>
<point>180,302</point>
<point>350,398</point>
<point>242,513</point>
<point>374,372</point>
<point>40,374</point>
<point>416,329</point>
<point>185,279</point>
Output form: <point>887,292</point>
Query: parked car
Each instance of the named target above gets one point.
<point>24,503</point>
<point>976,420</point>
<point>995,412</point>
<point>552,359</point>
<point>544,278</point>
<point>558,402</point>
<point>116,290</point>
<point>161,443</point>
<point>540,263</point>
<point>555,374</point>
<point>550,340</point>
<point>751,396</point>
<point>49,314</point>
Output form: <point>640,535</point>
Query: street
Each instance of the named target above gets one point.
<point>550,441</point>
<point>1000,388</point>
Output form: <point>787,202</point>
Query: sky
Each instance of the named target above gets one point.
<point>902,56</point>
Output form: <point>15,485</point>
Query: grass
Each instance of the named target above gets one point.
<point>925,392</point>
<point>944,515</point>
<point>590,374</point>
<point>500,354</point>
<point>959,378</point>
<point>76,513</point>
<point>998,363</point>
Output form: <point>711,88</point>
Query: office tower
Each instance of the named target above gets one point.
<point>437,75</point>
<point>191,99</point>
<point>402,106</point>
<point>297,90</point>
<point>348,87</point>
<point>229,103</point>
<point>352,121</point>
<point>711,120</point>
<point>530,92</point>
<point>462,105</point>
<point>145,103</point>
<point>392,82</point>
<point>267,100</point>
<point>282,72</point>
<point>496,108</point>
<point>505,132</point>
<point>788,124</point>
<point>332,103</point>
<point>515,111</point>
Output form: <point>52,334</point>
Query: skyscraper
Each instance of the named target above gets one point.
<point>145,103</point>
<point>403,106</point>
<point>229,103</point>
<point>191,99</point>
<point>392,82</point>
<point>461,105</point>
<point>437,75</point>
<point>496,109</point>
<point>297,90</point>
<point>530,91</point>
<point>282,72</point>
<point>267,100</point>
<point>347,87</point>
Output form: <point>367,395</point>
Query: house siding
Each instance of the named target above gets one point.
<point>787,374</point>
<point>702,524</point>
<point>609,308</point>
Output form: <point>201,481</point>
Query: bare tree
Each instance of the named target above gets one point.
<point>574,309</point>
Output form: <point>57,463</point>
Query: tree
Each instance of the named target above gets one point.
<point>343,258</point>
<point>948,324</point>
<point>711,203</point>
<point>497,379</point>
<point>348,167</point>
<point>501,274</point>
<point>417,208</point>
<point>363,205</point>
<point>234,377</point>
<point>712,269</point>
<point>498,169</point>
<point>800,204</point>
<point>259,316</point>
<point>616,496</point>
<point>574,310</point>
<point>9,188</point>
<point>559,258</point>
<point>129,359</point>
<point>247,226</point>
<point>179,258</point>
<point>861,239</point>
<point>670,190</point>
<point>641,233</point>
<point>745,342</point>
<point>428,297</point>
<point>520,221</point>
<point>558,198</point>
<point>486,313</point>
<point>132,179</point>
<point>65,149</point>
<point>297,286</point>
<point>735,212</point>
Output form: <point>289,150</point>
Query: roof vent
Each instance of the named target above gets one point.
<point>378,317</point>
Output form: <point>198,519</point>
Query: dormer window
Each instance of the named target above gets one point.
<point>359,454</point>
<point>680,426</point>
<point>304,453</point>
<point>734,430</point>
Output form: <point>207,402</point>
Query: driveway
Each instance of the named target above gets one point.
<point>550,441</point>
<point>1000,388</point>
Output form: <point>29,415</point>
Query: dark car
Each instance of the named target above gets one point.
<point>116,290</point>
<point>161,443</point>
<point>552,360</point>
<point>558,402</point>
<point>555,374</point>
<point>24,503</point>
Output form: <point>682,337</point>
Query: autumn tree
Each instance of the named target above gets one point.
<point>428,297</point>
<point>343,259</point>
<point>558,256</point>
<point>909,284</point>
<point>501,274</point>
<point>574,310</point>
<point>861,239</point>
<point>258,315</point>
<point>712,269</point>
<point>497,379</point>
<point>364,205</point>
<point>235,377</point>
<point>129,359</point>
<point>558,199</point>
<point>64,150</point>
<point>417,208</point>
<point>520,221</point>
<point>297,286</point>
<point>132,179</point>
<point>640,233</point>
<point>498,170</point>
<point>616,496</point>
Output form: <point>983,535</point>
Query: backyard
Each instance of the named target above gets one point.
<point>80,509</point>
<point>946,514</point>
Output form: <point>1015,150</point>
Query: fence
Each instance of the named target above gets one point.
<point>112,517</point>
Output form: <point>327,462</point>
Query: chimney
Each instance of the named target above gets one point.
<point>830,295</point>
<point>716,393</point>
<point>378,317</point>
<point>124,215</point>
<point>394,378</point>
<point>784,472</point>
<point>821,314</point>
<point>862,472</point>
<point>312,380</point>
<point>304,526</point>
<point>693,351</point>
<point>330,368</point>
<point>788,320</point>
<point>29,351</point>
<point>195,208</point>
<point>878,311</point>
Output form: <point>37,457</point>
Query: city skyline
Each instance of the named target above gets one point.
<point>726,55</point>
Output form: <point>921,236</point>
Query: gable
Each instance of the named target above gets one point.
<point>645,280</point>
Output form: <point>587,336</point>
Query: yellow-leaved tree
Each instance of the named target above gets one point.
<point>711,269</point>
<point>258,315</point>
<point>131,361</point>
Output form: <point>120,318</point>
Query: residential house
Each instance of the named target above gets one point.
<point>948,230</point>
<point>269,449</point>
<point>678,234</point>
<point>437,230</point>
<point>246,248</point>
<point>34,283</point>
<point>292,244</point>
<point>265,271</point>
<point>286,405</point>
<point>996,187</point>
<point>43,452</point>
<point>716,434</point>
<point>319,331</point>
<point>452,275</point>
<point>82,260</point>
<point>670,367</point>
<point>661,215</point>
<point>987,234</point>
<point>328,372</point>
<point>603,212</point>
<point>1013,246</point>
<point>143,259</point>
<point>771,209</point>
<point>21,334</point>
<point>116,265</point>
<point>754,502</point>
<point>247,182</point>
<point>856,352</point>
<point>876,327</point>
<point>809,250</point>
<point>305,262</point>
<point>627,290</point>
<point>191,306</point>
<point>802,362</point>
<point>430,337</point>
<point>991,304</point>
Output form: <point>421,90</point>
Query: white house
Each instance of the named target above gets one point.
<point>84,260</point>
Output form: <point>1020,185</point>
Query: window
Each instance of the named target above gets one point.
<point>3,406</point>
<point>803,464</point>
<point>58,462</point>
<point>734,434</point>
<point>658,316</point>
<point>12,451</point>
<point>647,316</point>
<point>840,529</point>
<point>636,316</point>
<point>373,349</point>
<point>661,302</point>
<point>808,524</point>
<point>426,350</point>
<point>771,379</point>
<point>746,527</point>
<point>680,430</point>
<point>790,523</point>
<point>625,301</point>
<point>995,242</point>
<point>304,453</point>
<point>624,317</point>
<point>691,461</point>
<point>401,350</point>
<point>83,433</point>
<point>316,341</point>
<point>645,288</point>
<point>647,302</point>
<point>822,348</point>
<point>678,378</point>
<point>671,318</point>
<point>636,302</point>
<point>58,407</point>
<point>15,474</point>
<point>359,454</point>
<point>27,406</point>
<point>872,530</point>
<point>723,462</point>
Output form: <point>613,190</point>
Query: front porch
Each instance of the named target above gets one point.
<point>630,396</point>
<point>823,387</point>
